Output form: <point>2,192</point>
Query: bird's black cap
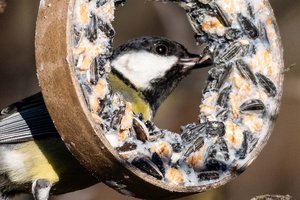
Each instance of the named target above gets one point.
<point>163,47</point>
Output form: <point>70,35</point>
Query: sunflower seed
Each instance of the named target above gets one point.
<point>215,165</point>
<point>76,35</point>
<point>154,131</point>
<point>224,97</point>
<point>127,147</point>
<point>217,76</point>
<point>92,31</point>
<point>242,152</point>
<point>196,17</point>
<point>252,141</point>
<point>156,159</point>
<point>106,28</point>
<point>223,148</point>
<point>245,71</point>
<point>233,50</point>
<point>94,72</point>
<point>146,165</point>
<point>233,34</point>
<point>263,33</point>
<point>199,142</point>
<point>253,105</point>
<point>117,117</point>
<point>215,129</point>
<point>140,130</point>
<point>177,147</point>
<point>222,15</point>
<point>150,126</point>
<point>191,132</point>
<point>97,70</point>
<point>248,27</point>
<point>211,151</point>
<point>208,175</point>
<point>100,3</point>
<point>267,84</point>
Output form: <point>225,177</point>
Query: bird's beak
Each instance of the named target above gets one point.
<point>195,61</point>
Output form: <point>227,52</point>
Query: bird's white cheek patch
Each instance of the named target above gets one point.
<point>142,67</point>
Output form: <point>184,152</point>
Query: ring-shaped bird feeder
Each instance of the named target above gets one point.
<point>237,113</point>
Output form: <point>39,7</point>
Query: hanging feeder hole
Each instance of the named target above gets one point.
<point>240,101</point>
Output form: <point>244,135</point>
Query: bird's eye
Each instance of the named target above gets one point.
<point>161,49</point>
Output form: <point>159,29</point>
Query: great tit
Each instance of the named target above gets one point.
<point>33,158</point>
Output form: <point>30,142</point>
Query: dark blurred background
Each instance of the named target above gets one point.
<point>277,168</point>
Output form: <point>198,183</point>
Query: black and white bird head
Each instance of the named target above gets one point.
<point>154,66</point>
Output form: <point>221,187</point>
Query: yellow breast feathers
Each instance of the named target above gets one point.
<point>129,94</point>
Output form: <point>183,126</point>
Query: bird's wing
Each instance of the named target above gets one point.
<point>26,120</point>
